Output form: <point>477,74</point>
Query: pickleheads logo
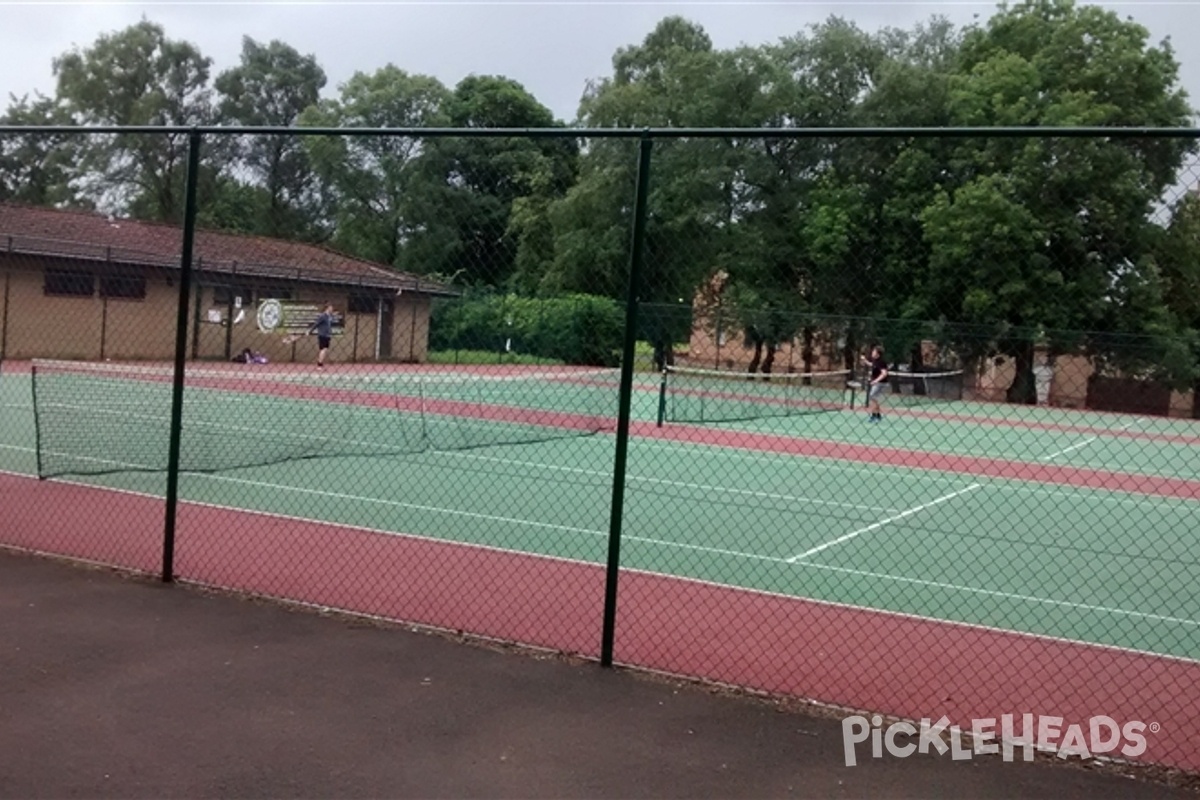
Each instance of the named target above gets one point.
<point>1100,735</point>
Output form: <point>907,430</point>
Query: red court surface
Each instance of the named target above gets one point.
<point>904,666</point>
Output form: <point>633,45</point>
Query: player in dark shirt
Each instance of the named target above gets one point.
<point>878,383</point>
<point>324,330</point>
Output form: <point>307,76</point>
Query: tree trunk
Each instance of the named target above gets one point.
<point>1196,399</point>
<point>758,348</point>
<point>917,364</point>
<point>769,361</point>
<point>850,352</point>
<point>664,353</point>
<point>807,353</point>
<point>1024,387</point>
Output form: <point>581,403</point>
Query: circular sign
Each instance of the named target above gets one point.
<point>270,315</point>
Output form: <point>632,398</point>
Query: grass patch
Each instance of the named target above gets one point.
<point>643,358</point>
<point>486,357</point>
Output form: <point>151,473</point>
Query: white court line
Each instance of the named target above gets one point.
<point>827,603</point>
<point>646,540</point>
<point>663,482</point>
<point>1093,494</point>
<point>574,470</point>
<point>1007,484</point>
<point>1085,442</point>
<point>883,522</point>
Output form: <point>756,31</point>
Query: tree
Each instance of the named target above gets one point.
<point>271,87</point>
<point>375,184</point>
<point>1037,235</point>
<point>36,168</point>
<point>1178,259</point>
<point>675,77</point>
<point>477,183</point>
<point>135,77</point>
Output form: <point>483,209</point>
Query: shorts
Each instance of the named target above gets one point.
<point>876,391</point>
<point>323,342</point>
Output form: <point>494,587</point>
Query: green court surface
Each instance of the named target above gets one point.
<point>1095,565</point>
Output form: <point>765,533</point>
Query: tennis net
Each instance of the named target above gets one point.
<point>915,388</point>
<point>702,395</point>
<point>100,418</point>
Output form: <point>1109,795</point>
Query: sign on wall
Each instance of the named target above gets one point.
<point>293,318</point>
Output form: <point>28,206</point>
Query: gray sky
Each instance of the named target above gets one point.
<point>553,48</point>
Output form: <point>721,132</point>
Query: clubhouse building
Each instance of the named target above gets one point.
<point>81,285</point>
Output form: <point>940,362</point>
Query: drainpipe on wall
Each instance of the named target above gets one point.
<point>378,326</point>
<point>103,325</point>
<point>412,336</point>
<point>104,307</point>
<point>4,322</point>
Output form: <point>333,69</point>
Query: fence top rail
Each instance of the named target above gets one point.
<point>633,133</point>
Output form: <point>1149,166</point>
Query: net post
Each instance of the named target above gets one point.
<point>662,399</point>
<point>636,259</point>
<point>181,326</point>
<point>37,425</point>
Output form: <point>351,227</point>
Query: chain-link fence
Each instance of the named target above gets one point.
<point>903,421</point>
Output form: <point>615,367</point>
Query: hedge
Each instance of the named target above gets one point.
<point>577,329</point>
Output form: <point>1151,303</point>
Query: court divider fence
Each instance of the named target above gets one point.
<point>679,326</point>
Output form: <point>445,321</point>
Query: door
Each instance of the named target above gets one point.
<point>387,313</point>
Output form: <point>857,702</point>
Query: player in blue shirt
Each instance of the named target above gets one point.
<point>323,327</point>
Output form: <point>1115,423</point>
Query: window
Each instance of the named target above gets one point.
<point>129,287</point>
<point>363,304</point>
<point>69,283</point>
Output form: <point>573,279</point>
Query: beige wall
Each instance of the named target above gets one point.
<point>410,331</point>
<point>1069,387</point>
<point>41,326</point>
<point>410,334</point>
<point>94,328</point>
<point>209,338</point>
<point>1181,404</point>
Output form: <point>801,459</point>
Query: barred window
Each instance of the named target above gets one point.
<point>69,283</point>
<point>363,304</point>
<point>128,287</point>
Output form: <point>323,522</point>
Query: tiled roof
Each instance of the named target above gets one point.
<point>95,237</point>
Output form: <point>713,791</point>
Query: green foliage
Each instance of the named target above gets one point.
<point>1047,233</point>
<point>272,86</point>
<point>376,185</point>
<point>575,329</point>
<point>486,357</point>
<point>136,77</point>
<point>36,168</point>
<point>493,193</point>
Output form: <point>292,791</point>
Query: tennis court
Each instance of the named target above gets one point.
<point>1073,526</point>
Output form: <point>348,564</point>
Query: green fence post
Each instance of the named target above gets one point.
<point>181,326</point>
<point>636,258</point>
<point>662,399</point>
